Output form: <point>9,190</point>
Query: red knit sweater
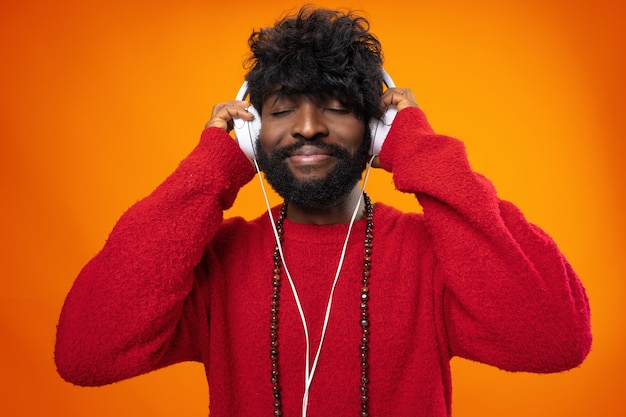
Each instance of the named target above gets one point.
<point>470,277</point>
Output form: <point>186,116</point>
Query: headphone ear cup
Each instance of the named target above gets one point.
<point>247,132</point>
<point>380,129</point>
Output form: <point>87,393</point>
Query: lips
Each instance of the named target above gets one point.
<point>309,154</point>
<point>310,150</point>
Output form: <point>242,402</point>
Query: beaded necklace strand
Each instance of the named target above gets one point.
<point>364,316</point>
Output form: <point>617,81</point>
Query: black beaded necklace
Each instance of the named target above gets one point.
<point>364,317</point>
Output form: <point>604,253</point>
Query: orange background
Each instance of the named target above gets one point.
<point>101,99</point>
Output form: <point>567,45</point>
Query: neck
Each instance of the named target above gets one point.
<point>338,213</point>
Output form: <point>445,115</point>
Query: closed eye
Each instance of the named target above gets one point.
<point>278,113</point>
<point>334,105</point>
<point>338,110</point>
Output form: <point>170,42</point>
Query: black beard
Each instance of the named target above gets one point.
<point>319,193</point>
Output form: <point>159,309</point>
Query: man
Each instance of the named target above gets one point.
<point>324,315</point>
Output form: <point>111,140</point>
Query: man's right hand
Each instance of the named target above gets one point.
<point>224,113</point>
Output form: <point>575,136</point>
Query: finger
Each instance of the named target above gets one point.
<point>399,97</point>
<point>228,108</point>
<point>224,113</point>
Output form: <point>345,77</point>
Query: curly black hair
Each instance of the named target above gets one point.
<point>318,52</point>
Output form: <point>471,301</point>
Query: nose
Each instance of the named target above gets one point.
<point>309,123</point>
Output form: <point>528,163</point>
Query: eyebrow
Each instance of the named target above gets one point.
<point>276,93</point>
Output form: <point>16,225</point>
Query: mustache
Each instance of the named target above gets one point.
<point>286,151</point>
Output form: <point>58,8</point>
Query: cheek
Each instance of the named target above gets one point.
<point>268,136</point>
<point>354,135</point>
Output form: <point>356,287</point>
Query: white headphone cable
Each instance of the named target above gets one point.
<point>310,370</point>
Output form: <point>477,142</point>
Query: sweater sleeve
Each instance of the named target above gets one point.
<point>508,296</point>
<point>135,306</point>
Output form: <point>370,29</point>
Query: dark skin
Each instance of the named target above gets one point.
<point>294,118</point>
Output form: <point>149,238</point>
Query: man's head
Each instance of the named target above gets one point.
<point>318,51</point>
<point>326,68</point>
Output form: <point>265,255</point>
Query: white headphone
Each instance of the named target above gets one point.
<point>247,132</point>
